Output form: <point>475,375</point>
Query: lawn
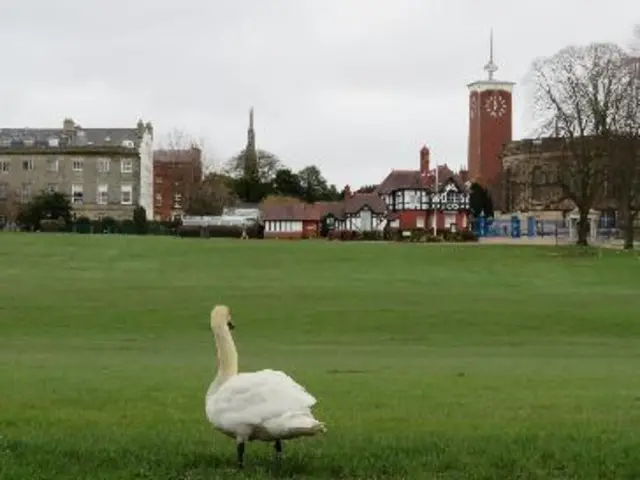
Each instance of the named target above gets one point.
<point>428,361</point>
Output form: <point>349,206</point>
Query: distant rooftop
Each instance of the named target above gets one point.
<point>73,135</point>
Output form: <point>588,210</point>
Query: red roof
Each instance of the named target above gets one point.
<point>292,211</point>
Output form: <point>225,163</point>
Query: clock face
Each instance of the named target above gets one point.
<point>473,107</point>
<point>495,105</point>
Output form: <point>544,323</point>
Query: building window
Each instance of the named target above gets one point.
<point>77,194</point>
<point>126,195</point>
<point>52,165</point>
<point>78,165</point>
<point>452,197</point>
<point>4,191</point>
<point>158,199</point>
<point>104,165</point>
<point>4,167</point>
<point>177,200</point>
<point>27,164</point>
<point>126,165</point>
<point>158,180</point>
<point>25,193</point>
<point>52,188</point>
<point>103,194</point>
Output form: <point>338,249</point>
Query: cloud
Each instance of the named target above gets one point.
<point>355,86</point>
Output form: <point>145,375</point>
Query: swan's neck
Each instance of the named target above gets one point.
<point>227,357</point>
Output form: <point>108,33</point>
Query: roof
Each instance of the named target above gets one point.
<point>293,211</point>
<point>358,201</point>
<point>72,136</point>
<point>314,212</point>
<point>178,155</point>
<point>407,179</point>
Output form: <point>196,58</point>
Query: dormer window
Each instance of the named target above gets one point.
<point>54,141</point>
<point>127,143</point>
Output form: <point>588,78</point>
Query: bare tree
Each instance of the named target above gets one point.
<point>577,96</point>
<point>210,196</point>
<point>10,205</point>
<point>625,145</point>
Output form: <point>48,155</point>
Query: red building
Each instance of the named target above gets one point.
<point>431,198</point>
<point>424,198</point>
<point>176,173</point>
<point>490,127</point>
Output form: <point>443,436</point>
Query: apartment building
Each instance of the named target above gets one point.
<point>176,173</point>
<point>104,171</point>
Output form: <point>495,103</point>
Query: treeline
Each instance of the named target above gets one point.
<point>250,177</point>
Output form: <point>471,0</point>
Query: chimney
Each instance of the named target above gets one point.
<point>347,192</point>
<point>68,125</point>
<point>424,163</point>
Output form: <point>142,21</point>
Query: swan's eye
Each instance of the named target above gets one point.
<point>230,325</point>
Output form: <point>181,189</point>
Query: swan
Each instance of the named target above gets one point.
<point>266,405</point>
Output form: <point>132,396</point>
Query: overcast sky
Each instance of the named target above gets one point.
<point>354,86</point>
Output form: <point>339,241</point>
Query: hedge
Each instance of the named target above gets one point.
<point>416,235</point>
<point>228,231</point>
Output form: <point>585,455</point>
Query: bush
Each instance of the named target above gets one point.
<point>108,225</point>
<point>418,235</point>
<point>82,225</point>
<point>140,220</point>
<point>468,236</point>
<point>372,236</point>
<point>434,239</point>
<point>53,225</point>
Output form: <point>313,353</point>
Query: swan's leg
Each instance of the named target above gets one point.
<point>278,450</point>
<point>240,452</point>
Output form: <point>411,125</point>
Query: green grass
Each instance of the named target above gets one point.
<point>428,361</point>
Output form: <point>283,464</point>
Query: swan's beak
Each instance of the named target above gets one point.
<point>231,325</point>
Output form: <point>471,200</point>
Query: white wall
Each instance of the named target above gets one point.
<point>146,174</point>
<point>282,226</point>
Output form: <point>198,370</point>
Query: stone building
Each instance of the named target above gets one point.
<point>530,182</point>
<point>104,171</point>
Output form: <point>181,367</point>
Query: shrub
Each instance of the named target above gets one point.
<point>53,225</point>
<point>82,225</point>
<point>372,236</point>
<point>468,236</point>
<point>418,235</point>
<point>108,225</point>
<point>140,220</point>
<point>189,231</point>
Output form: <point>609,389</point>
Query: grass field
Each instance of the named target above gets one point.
<point>428,361</point>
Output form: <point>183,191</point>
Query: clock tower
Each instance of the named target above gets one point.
<point>490,127</point>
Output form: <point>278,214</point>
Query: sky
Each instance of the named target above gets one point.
<point>353,86</point>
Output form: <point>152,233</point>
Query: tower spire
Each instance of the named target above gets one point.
<point>251,134</point>
<point>490,66</point>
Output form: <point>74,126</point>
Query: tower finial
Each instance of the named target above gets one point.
<point>251,118</point>
<point>491,67</point>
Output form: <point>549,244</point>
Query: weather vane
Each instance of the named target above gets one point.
<point>491,67</point>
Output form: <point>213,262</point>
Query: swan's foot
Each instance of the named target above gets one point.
<point>278,446</point>
<point>240,452</point>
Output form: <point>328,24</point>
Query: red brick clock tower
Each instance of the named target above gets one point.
<point>490,125</point>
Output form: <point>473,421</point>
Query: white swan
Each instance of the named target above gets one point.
<point>266,405</point>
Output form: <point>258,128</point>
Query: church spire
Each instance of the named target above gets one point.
<point>251,134</point>
<point>490,66</point>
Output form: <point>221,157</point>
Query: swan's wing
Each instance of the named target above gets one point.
<point>253,398</point>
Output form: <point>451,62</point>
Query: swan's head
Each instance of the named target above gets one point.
<point>221,318</point>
